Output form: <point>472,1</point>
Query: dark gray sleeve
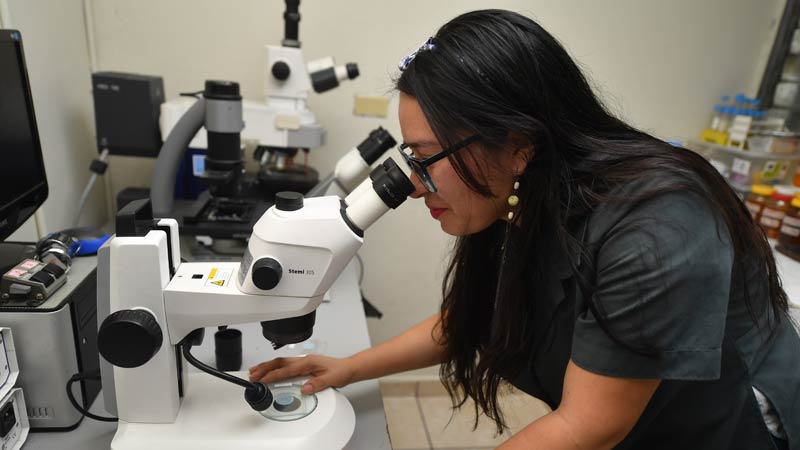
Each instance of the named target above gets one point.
<point>663,273</point>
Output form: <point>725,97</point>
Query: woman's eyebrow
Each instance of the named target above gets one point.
<point>421,144</point>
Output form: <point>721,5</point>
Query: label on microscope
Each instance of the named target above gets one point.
<point>219,277</point>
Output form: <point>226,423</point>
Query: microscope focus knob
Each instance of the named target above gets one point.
<point>281,70</point>
<point>288,201</point>
<point>267,273</point>
<point>129,338</point>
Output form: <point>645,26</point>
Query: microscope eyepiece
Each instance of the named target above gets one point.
<point>392,185</point>
<point>222,90</point>
<point>375,145</point>
<point>352,70</point>
<point>387,188</point>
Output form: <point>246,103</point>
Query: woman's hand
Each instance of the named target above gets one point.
<point>326,371</point>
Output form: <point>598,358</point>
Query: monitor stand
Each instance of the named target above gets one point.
<point>12,253</point>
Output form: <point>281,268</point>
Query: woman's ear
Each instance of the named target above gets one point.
<point>521,152</point>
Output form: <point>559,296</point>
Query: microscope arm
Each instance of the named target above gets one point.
<point>193,303</point>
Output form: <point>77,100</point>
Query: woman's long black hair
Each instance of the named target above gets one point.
<point>499,74</point>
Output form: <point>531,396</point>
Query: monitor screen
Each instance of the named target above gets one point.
<point>23,185</point>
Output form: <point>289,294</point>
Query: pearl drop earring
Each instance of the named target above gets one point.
<point>513,200</point>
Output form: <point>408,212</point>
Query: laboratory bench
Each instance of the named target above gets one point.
<point>340,330</point>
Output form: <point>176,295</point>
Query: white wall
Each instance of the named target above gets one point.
<point>54,40</point>
<point>661,65</point>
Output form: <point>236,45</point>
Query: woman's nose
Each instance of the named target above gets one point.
<point>419,187</point>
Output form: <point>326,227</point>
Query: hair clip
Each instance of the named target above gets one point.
<point>427,45</point>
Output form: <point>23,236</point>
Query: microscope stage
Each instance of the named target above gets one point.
<point>214,415</point>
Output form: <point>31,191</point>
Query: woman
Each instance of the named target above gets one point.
<point>613,276</point>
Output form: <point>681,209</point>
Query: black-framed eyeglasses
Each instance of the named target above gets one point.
<point>419,166</point>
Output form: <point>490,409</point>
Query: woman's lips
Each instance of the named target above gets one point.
<point>436,212</point>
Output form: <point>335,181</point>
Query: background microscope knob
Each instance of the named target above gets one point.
<point>267,273</point>
<point>129,338</point>
<point>281,70</point>
<point>288,201</point>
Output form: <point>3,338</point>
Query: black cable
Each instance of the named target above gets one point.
<point>93,375</point>
<point>212,371</point>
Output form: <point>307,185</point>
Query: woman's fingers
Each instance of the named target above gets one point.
<point>296,367</point>
<point>258,371</point>
<point>315,385</point>
<point>282,374</point>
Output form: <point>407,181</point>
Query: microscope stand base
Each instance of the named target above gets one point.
<point>215,415</point>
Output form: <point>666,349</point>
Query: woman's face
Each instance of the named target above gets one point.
<point>459,209</point>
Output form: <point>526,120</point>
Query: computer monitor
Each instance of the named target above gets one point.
<point>23,184</point>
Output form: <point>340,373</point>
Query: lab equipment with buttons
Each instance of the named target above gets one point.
<point>152,309</point>
<point>14,423</point>
<point>47,297</point>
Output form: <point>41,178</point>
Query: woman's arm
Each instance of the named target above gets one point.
<point>416,348</point>
<point>596,412</point>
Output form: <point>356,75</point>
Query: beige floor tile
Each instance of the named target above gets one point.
<point>521,409</point>
<point>406,429</point>
<point>398,388</point>
<point>449,429</point>
<point>431,388</point>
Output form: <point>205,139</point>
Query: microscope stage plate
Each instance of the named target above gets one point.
<point>214,415</point>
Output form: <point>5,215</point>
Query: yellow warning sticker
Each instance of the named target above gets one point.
<point>218,277</point>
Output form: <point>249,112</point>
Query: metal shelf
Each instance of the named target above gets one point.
<point>748,154</point>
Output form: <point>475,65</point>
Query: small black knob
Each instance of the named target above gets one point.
<point>352,70</point>
<point>129,338</point>
<point>267,273</point>
<point>288,201</point>
<point>281,70</point>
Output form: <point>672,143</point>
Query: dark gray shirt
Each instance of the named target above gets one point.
<point>662,276</point>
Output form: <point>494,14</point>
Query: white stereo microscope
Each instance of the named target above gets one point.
<point>152,309</point>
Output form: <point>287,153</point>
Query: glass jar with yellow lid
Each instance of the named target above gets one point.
<point>789,236</point>
<point>757,198</point>
<point>775,210</point>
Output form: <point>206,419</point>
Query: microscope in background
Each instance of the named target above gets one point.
<point>152,308</point>
<point>283,127</point>
<point>287,83</point>
<point>212,196</point>
<point>226,210</point>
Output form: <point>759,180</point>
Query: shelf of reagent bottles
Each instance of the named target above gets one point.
<point>743,168</point>
<point>705,148</point>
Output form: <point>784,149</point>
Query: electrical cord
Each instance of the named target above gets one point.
<point>91,375</point>
<point>361,269</point>
<point>257,395</point>
<point>98,168</point>
<point>212,371</point>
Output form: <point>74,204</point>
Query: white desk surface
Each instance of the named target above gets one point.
<point>340,330</point>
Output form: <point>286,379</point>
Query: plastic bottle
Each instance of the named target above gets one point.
<point>716,119</point>
<point>757,198</point>
<point>726,116</point>
<point>775,209</point>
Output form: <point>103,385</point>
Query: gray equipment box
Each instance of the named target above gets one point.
<point>54,341</point>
